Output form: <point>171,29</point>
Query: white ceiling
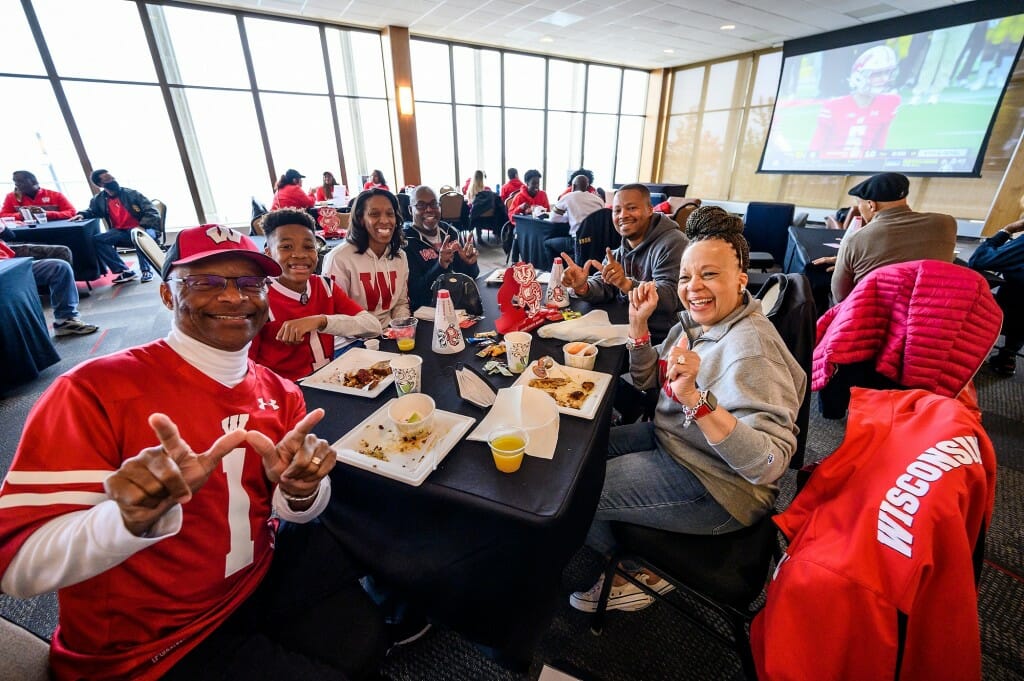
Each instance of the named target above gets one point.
<point>639,33</point>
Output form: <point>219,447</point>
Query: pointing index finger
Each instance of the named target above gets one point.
<point>568,260</point>
<point>305,426</point>
<point>170,439</point>
<point>610,255</point>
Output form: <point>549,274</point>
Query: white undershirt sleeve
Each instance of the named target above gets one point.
<point>77,546</point>
<point>286,513</point>
<point>362,325</point>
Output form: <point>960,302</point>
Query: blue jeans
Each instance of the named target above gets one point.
<point>58,276</point>
<point>106,244</point>
<point>644,485</point>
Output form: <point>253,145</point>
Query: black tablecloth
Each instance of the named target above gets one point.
<point>478,550</point>
<point>25,344</point>
<point>75,235</point>
<point>530,234</point>
<point>805,245</point>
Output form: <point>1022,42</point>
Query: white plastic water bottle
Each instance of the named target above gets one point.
<point>447,338</point>
<point>555,295</point>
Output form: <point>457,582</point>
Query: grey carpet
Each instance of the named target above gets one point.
<point>656,644</point>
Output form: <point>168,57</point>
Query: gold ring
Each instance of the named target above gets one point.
<point>317,461</point>
<point>680,360</point>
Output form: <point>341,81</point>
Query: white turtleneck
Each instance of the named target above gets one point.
<point>224,366</point>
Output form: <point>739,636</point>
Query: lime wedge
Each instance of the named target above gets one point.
<point>414,417</point>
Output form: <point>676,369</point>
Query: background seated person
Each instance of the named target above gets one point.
<point>289,192</point>
<point>724,428</point>
<point>57,276</point>
<point>892,233</point>
<point>652,246</point>
<point>513,185</point>
<point>370,265</point>
<point>155,528</point>
<point>28,194</point>
<point>376,181</point>
<point>474,187</point>
<point>530,196</point>
<point>570,210</point>
<point>1003,254</point>
<point>432,248</point>
<point>306,311</point>
<point>123,209</point>
<point>589,174</point>
<point>325,192</point>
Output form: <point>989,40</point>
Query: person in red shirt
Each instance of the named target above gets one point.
<point>325,192</point>
<point>123,209</point>
<point>306,310</point>
<point>513,185</point>
<point>376,181</point>
<point>28,194</point>
<point>528,197</point>
<point>289,192</point>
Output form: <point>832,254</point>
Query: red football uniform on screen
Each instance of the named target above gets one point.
<point>317,349</point>
<point>846,129</point>
<point>137,619</point>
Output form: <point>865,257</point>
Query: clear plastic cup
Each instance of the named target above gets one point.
<point>508,443</point>
<point>404,332</point>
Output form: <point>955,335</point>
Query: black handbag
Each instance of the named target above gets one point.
<point>465,295</point>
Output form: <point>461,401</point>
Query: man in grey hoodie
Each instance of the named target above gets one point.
<point>652,246</point>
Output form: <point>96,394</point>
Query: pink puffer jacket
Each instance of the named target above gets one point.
<point>927,324</point>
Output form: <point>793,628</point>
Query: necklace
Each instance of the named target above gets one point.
<point>304,298</point>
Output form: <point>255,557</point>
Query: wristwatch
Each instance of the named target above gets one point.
<point>705,405</point>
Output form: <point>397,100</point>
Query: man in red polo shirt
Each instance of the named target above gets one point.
<point>123,209</point>
<point>28,194</point>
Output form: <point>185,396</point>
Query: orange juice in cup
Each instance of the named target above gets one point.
<point>404,332</point>
<point>507,447</point>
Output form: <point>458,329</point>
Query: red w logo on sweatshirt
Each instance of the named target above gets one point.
<point>378,294</point>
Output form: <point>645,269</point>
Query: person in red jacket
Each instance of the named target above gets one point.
<point>325,192</point>
<point>289,192</point>
<point>513,185</point>
<point>376,181</point>
<point>28,194</point>
<point>528,197</point>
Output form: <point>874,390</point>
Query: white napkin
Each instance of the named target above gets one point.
<point>593,327</point>
<point>535,411</point>
<point>426,313</point>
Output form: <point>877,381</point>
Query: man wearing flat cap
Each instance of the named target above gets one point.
<point>158,530</point>
<point>892,233</point>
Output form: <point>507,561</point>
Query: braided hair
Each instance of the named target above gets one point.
<point>714,222</point>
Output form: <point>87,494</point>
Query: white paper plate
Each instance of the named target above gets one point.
<point>331,376</point>
<point>593,401</point>
<point>411,466</point>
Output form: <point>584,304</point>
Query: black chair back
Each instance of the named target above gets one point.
<point>403,203</point>
<point>596,233</point>
<point>161,231</point>
<point>766,227</point>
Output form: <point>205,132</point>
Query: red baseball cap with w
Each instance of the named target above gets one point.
<point>207,241</point>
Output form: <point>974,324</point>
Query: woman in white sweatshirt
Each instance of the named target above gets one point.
<point>371,266</point>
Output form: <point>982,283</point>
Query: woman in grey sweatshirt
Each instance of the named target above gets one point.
<point>724,428</point>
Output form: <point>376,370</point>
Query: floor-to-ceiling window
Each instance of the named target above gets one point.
<point>485,109</point>
<point>201,108</point>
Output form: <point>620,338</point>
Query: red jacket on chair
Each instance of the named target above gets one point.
<point>926,324</point>
<point>878,581</point>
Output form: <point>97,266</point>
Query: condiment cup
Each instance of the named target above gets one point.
<point>416,406</point>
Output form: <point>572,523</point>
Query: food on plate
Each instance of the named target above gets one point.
<point>367,378</point>
<point>414,418</point>
<point>382,442</point>
<point>565,391</point>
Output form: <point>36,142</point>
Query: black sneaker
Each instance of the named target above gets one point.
<point>124,277</point>
<point>146,277</point>
<point>73,327</point>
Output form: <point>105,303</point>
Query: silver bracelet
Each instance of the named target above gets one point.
<point>294,499</point>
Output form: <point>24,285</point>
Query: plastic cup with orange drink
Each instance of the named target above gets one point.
<point>404,332</point>
<point>508,443</point>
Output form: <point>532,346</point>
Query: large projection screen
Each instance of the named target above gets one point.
<point>916,95</point>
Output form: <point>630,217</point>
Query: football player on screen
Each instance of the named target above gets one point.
<point>851,125</point>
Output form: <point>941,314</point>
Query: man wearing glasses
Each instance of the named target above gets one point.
<point>433,248</point>
<point>156,529</point>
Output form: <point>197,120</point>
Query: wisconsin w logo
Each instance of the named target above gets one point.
<point>219,234</point>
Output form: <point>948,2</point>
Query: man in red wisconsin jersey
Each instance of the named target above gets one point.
<point>155,528</point>
<point>306,310</point>
<point>859,122</point>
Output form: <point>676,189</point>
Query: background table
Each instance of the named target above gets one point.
<point>25,343</point>
<point>75,235</point>
<point>478,550</point>
<point>530,235</point>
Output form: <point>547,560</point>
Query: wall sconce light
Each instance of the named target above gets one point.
<point>405,100</point>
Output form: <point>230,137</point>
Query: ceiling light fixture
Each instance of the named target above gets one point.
<point>669,50</point>
<point>547,39</point>
<point>727,27</point>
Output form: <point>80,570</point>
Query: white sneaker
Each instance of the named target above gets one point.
<point>627,597</point>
